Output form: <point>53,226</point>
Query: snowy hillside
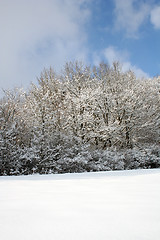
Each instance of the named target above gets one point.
<point>119,205</point>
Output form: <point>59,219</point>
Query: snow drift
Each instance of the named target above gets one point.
<point>115,205</point>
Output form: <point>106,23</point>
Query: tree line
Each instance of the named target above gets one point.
<point>84,119</point>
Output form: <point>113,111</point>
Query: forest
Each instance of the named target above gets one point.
<point>80,120</point>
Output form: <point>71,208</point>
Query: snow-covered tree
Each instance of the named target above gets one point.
<point>82,120</point>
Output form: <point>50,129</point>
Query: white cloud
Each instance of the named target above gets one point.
<point>130,15</point>
<point>112,54</point>
<point>37,34</point>
<point>155,17</point>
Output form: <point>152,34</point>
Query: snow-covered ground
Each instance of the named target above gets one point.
<point>121,205</point>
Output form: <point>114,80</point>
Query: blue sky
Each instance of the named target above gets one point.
<point>43,33</point>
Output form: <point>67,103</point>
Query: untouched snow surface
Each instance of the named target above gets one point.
<point>121,205</point>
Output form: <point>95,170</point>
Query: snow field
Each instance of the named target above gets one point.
<point>121,205</point>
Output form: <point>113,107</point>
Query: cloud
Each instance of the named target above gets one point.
<point>112,54</point>
<point>130,15</point>
<point>155,17</point>
<point>37,34</point>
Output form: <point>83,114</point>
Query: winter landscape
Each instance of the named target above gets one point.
<point>117,205</point>
<point>79,120</point>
